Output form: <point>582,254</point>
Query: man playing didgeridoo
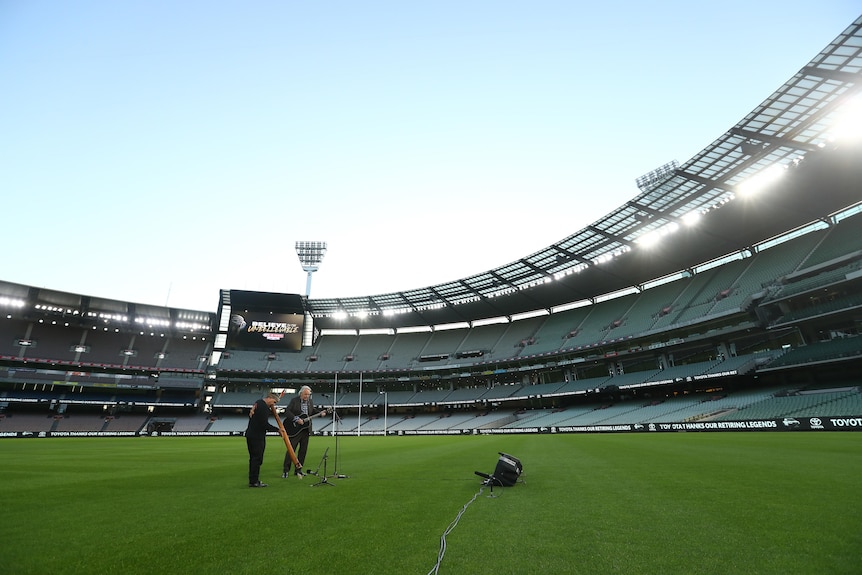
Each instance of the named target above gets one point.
<point>255,436</point>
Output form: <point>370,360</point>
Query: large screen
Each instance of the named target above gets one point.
<point>263,321</point>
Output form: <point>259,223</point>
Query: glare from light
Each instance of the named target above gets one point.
<point>604,258</point>
<point>762,180</point>
<point>847,126</point>
<point>654,237</point>
<point>691,218</point>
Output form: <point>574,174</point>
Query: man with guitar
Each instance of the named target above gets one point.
<point>297,422</point>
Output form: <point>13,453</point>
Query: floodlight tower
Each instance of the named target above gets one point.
<point>310,255</point>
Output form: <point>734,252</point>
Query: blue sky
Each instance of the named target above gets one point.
<point>160,151</point>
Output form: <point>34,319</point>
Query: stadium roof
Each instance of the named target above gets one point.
<point>793,128</point>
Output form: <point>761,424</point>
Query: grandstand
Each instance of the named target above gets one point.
<point>752,314</point>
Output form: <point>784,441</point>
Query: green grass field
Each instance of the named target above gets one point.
<point>631,503</point>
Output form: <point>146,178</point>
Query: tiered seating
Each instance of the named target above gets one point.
<point>53,342</point>
<point>413,422</point>
<point>517,338</point>
<point>126,422</point>
<point>647,308</point>
<point>681,372</point>
<point>490,420</point>
<point>537,389</point>
<point>12,329</point>
<point>33,422</point>
<point>236,399</point>
<point>354,398</point>
<point>252,361</point>
<point>370,351</point>
<point>819,280</point>
<point>186,354</point>
<point>633,378</point>
<point>600,323</point>
<point>778,261</point>
<point>406,349</point>
<point>106,348</point>
<point>580,385</point>
<point>548,417</point>
<point>688,407</point>
<point>710,285</point>
<point>332,352</point>
<point>501,392</point>
<point>395,398</point>
<point>689,287</point>
<point>850,404</point>
<point>431,396</point>
<point>485,338</point>
<point>81,422</point>
<point>466,394</point>
<point>229,423</point>
<point>790,405</point>
<point>833,349</point>
<point>444,342</point>
<point>195,422</point>
<point>552,334</point>
<point>449,421</point>
<point>168,380</point>
<point>835,403</point>
<point>841,239</point>
<point>822,308</point>
<point>147,349</point>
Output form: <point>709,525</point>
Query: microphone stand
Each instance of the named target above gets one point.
<point>489,480</point>
<point>316,472</point>
<point>325,480</point>
<point>337,433</point>
<point>336,427</point>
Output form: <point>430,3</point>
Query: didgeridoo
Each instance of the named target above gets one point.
<point>287,444</point>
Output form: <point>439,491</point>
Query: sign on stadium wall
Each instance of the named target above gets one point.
<point>784,424</point>
<point>849,423</point>
<point>116,433</point>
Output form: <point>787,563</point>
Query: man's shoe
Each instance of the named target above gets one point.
<point>285,475</point>
<point>300,475</point>
<point>257,484</point>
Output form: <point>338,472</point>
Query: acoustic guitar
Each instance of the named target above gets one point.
<point>293,428</point>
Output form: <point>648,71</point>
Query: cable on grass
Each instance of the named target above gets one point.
<point>449,529</point>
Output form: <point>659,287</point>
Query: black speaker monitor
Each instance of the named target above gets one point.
<point>506,473</point>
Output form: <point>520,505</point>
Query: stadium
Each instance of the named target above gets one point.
<point>725,297</point>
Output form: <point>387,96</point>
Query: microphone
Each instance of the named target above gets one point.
<point>489,480</point>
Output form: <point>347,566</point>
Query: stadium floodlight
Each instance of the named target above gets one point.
<point>657,177</point>
<point>310,255</point>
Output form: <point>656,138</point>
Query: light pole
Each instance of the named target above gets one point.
<point>310,255</point>
<point>385,412</point>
